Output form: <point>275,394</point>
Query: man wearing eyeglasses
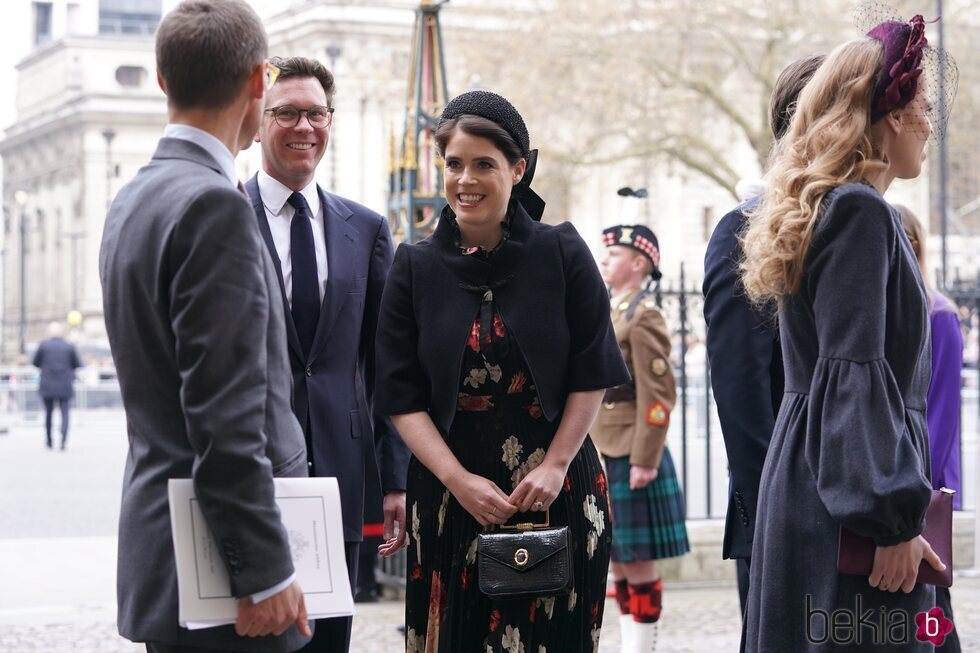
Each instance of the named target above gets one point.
<point>194,319</point>
<point>333,257</point>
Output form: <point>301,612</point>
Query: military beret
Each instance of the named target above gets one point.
<point>638,237</point>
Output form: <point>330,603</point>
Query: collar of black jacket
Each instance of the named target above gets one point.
<point>486,273</point>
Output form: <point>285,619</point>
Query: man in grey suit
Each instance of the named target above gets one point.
<point>195,322</point>
<point>332,257</point>
<point>57,359</point>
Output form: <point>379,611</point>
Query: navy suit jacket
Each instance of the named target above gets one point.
<point>341,363</point>
<point>746,377</point>
<point>58,359</point>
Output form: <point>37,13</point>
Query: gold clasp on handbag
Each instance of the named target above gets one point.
<point>526,526</point>
<point>521,557</point>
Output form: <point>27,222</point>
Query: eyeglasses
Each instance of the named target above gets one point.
<point>272,73</point>
<point>288,116</point>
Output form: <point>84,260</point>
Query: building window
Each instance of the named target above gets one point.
<point>129,16</point>
<point>42,234</point>
<point>74,19</point>
<point>42,23</point>
<point>131,76</point>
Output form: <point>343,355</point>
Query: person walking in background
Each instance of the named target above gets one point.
<point>494,349</point>
<point>631,433</point>
<point>332,257</point>
<point>743,351</point>
<point>850,447</point>
<point>57,359</point>
<point>943,400</point>
<point>195,321</point>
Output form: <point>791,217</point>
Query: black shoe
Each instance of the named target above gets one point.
<point>49,444</point>
<point>369,595</point>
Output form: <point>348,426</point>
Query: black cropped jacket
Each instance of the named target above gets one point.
<point>548,292</point>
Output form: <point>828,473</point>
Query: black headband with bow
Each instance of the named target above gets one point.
<point>498,110</point>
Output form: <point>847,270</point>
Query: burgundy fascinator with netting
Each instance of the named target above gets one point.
<point>902,64</point>
<point>908,63</point>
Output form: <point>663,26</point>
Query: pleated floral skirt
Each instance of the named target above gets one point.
<point>500,433</point>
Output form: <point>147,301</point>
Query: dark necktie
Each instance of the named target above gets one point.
<point>306,294</point>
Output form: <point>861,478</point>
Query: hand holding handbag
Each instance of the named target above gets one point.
<point>856,553</point>
<point>525,560</point>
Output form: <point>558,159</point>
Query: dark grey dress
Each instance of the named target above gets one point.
<point>850,446</point>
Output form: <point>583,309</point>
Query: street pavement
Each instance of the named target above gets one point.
<point>58,513</point>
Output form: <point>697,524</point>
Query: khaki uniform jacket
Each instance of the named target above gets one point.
<point>638,428</point>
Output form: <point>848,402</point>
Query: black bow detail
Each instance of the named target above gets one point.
<point>486,314</point>
<point>486,288</point>
<point>522,192</point>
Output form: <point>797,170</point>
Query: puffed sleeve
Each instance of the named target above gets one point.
<point>401,386</point>
<point>595,360</point>
<point>868,471</point>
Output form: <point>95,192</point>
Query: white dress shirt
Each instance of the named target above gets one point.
<point>280,214</point>
<point>219,151</point>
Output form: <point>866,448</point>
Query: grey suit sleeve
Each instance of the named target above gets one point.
<point>393,454</point>
<point>219,313</point>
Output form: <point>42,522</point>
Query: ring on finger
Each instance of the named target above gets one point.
<point>538,505</point>
<point>493,511</point>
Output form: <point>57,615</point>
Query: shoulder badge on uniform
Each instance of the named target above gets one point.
<point>658,414</point>
<point>658,366</point>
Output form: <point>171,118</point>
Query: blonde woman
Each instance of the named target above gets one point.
<point>850,446</point>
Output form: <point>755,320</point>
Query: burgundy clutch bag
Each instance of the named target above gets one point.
<point>856,553</point>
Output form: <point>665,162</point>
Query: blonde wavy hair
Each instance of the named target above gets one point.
<point>917,238</point>
<point>828,144</point>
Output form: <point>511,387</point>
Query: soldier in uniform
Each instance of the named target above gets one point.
<point>631,432</point>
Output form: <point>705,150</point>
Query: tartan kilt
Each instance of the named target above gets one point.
<point>647,524</point>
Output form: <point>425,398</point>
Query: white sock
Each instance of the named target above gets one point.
<point>644,638</point>
<point>626,633</point>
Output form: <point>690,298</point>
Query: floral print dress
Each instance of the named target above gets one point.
<point>499,432</point>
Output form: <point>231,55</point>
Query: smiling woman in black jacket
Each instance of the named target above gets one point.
<point>494,348</point>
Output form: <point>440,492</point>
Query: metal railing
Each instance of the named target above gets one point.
<point>695,437</point>
<point>18,390</point>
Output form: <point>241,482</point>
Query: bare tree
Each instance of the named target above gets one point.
<point>660,81</point>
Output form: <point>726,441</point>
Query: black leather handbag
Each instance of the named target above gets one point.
<point>525,560</point>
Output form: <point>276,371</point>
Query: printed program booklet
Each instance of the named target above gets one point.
<point>310,510</point>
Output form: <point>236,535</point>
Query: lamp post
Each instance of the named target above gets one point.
<point>22,197</point>
<point>943,182</point>
<point>333,52</point>
<point>108,134</point>
<point>73,236</point>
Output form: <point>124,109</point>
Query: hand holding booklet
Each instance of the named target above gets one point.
<point>311,513</point>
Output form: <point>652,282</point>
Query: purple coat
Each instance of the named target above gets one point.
<point>943,412</point>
